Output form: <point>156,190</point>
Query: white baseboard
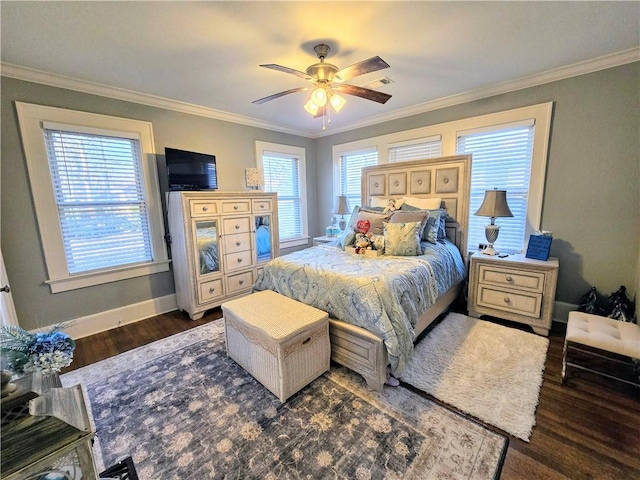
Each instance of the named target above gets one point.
<point>561,311</point>
<point>100,322</point>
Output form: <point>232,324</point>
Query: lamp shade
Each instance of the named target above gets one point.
<point>494,204</point>
<point>341,206</point>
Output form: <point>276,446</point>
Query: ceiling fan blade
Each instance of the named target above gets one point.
<point>281,94</point>
<point>292,71</point>
<point>367,93</point>
<point>366,66</point>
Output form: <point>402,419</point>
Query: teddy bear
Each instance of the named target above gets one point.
<point>391,206</point>
<point>363,242</point>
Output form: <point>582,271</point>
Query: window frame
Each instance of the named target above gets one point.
<point>541,115</point>
<point>300,153</point>
<point>338,177</point>
<point>31,118</point>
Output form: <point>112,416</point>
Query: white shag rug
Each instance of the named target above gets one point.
<point>486,370</point>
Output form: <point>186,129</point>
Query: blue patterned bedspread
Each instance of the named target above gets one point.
<point>384,295</point>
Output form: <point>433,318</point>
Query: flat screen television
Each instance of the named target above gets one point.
<point>190,170</point>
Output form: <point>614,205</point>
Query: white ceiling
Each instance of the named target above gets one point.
<point>203,56</point>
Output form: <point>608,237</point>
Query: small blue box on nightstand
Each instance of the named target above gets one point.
<point>539,247</point>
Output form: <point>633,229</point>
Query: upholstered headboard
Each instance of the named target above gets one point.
<point>448,178</point>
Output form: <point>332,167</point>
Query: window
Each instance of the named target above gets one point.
<point>351,165</point>
<point>284,173</point>
<point>95,189</point>
<point>416,149</point>
<point>509,151</point>
<point>501,159</point>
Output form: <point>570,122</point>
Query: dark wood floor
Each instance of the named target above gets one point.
<point>589,428</point>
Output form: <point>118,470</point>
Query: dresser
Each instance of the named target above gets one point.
<point>219,243</point>
<point>513,288</point>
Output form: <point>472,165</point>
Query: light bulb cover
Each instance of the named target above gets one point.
<point>337,102</point>
<point>311,108</point>
<point>319,97</point>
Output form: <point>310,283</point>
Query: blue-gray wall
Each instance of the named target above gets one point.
<point>591,202</point>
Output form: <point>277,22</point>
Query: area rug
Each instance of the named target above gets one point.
<point>487,370</point>
<point>183,410</point>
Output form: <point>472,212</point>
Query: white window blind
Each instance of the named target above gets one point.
<point>416,150</point>
<point>351,165</point>
<point>282,175</point>
<point>99,191</point>
<point>502,159</point>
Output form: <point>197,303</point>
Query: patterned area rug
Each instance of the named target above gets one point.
<point>487,370</point>
<point>183,410</point>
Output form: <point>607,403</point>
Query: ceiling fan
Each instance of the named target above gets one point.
<point>328,80</point>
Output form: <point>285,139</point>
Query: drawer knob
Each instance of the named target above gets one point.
<point>419,182</point>
<point>445,180</point>
<point>376,184</point>
<point>212,289</point>
<point>262,205</point>
<point>235,207</point>
<point>239,260</point>
<point>205,208</point>
<point>507,300</point>
<point>509,279</point>
<point>306,341</point>
<point>237,227</point>
<point>241,282</point>
<point>397,183</point>
<point>238,244</point>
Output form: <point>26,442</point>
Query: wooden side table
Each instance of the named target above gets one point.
<point>514,288</point>
<point>51,429</point>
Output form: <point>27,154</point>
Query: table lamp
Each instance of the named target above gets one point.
<point>494,205</point>
<point>341,207</point>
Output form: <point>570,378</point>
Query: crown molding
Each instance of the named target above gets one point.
<point>577,69</point>
<point>562,73</point>
<point>54,80</point>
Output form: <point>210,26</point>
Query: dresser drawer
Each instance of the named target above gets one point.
<point>239,242</point>
<point>211,290</point>
<point>521,303</point>
<point>235,261</point>
<point>500,276</point>
<point>262,206</point>
<point>201,208</point>
<point>231,226</point>
<point>236,206</point>
<point>239,282</point>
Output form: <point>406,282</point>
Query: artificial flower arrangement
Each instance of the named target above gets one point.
<point>26,352</point>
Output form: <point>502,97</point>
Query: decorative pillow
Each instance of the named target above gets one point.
<point>379,202</point>
<point>400,216</point>
<point>423,203</point>
<point>402,239</point>
<point>375,219</point>
<point>434,229</point>
<point>442,232</point>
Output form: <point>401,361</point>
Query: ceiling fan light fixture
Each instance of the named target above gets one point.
<point>319,97</point>
<point>337,102</point>
<point>311,107</point>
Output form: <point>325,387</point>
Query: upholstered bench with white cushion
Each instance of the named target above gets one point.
<point>282,343</point>
<point>603,335</point>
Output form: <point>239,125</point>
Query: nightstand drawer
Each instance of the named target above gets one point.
<point>521,303</point>
<point>211,290</point>
<point>533,281</point>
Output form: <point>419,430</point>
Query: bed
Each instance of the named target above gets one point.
<point>379,305</point>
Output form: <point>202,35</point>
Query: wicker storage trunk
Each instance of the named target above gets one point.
<point>282,343</point>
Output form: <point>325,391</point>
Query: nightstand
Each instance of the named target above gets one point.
<point>513,288</point>
<point>322,240</point>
